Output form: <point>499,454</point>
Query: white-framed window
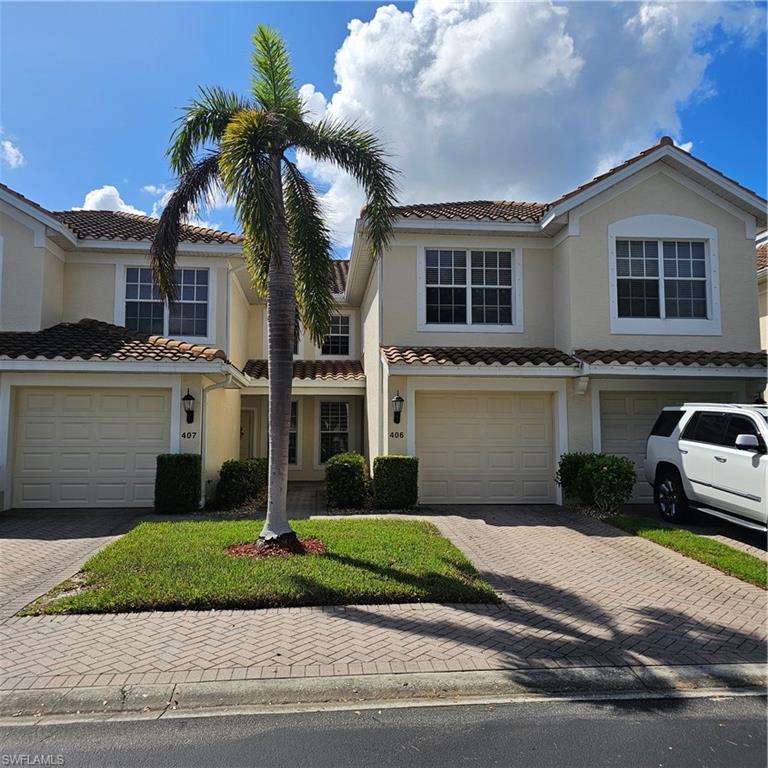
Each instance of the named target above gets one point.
<point>334,429</point>
<point>337,342</point>
<point>664,276</point>
<point>293,434</point>
<point>470,289</point>
<point>144,310</point>
<point>661,278</point>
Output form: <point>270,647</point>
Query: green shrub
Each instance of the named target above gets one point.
<point>177,483</point>
<point>611,479</point>
<point>568,471</point>
<point>395,482</point>
<point>346,481</point>
<point>240,481</point>
<point>601,481</point>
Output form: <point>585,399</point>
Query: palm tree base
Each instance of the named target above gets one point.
<point>285,541</point>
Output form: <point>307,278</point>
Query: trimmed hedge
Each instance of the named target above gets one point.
<point>601,481</point>
<point>395,482</point>
<point>240,481</point>
<point>346,481</point>
<point>177,483</point>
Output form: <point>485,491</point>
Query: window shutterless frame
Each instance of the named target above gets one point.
<point>487,301</point>
<point>661,229</point>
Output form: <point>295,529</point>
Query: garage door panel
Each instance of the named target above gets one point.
<point>88,448</point>
<point>485,447</point>
<point>626,420</point>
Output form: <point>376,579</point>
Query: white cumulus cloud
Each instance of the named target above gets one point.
<point>10,154</point>
<point>519,101</point>
<point>107,198</point>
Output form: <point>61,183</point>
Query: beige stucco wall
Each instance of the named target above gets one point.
<point>763,309</point>
<point>21,302</point>
<point>89,291</point>
<point>238,325</point>
<point>222,432</point>
<point>562,261</point>
<point>370,356</point>
<point>588,308</point>
<point>401,286</point>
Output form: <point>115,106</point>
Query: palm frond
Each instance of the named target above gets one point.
<point>272,85</point>
<point>193,190</point>
<point>257,262</point>
<point>360,153</point>
<point>247,177</point>
<point>310,244</point>
<point>202,123</point>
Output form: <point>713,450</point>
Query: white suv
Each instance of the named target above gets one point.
<point>710,457</point>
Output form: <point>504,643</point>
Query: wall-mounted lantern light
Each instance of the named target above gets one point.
<point>397,406</point>
<point>188,401</point>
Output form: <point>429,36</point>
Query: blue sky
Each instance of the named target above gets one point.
<point>89,92</point>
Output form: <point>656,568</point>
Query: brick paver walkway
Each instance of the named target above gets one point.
<point>41,548</point>
<point>576,593</point>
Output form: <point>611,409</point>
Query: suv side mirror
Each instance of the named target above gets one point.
<point>747,442</point>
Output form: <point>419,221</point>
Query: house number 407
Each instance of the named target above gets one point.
<point>188,435</point>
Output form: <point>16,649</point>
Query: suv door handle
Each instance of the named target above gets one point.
<point>721,459</point>
<point>682,450</point>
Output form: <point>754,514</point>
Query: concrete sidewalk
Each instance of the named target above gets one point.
<point>577,594</point>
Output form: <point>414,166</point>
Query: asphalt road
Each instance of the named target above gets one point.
<point>728,732</point>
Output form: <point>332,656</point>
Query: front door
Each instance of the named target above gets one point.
<point>246,434</point>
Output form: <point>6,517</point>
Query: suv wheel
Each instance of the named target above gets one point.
<point>671,500</point>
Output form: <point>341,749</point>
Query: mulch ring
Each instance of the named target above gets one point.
<point>260,551</point>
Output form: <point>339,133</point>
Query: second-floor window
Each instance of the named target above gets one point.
<point>661,279</point>
<point>337,340</point>
<point>145,311</point>
<point>469,287</point>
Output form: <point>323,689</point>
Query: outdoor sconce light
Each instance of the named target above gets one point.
<point>188,401</point>
<point>397,406</point>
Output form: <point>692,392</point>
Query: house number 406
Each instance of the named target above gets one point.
<point>397,435</point>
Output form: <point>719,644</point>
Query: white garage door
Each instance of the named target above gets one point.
<point>485,448</point>
<point>626,420</point>
<point>88,447</point>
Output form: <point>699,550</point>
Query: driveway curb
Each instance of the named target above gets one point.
<point>154,701</point>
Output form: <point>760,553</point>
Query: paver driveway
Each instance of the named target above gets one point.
<point>576,593</point>
<point>40,548</point>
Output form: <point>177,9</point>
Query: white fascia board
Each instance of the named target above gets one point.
<point>301,386</point>
<point>122,366</point>
<point>473,225</point>
<point>38,215</point>
<point>678,371</point>
<point>509,371</point>
<point>748,198</point>
<point>208,249</point>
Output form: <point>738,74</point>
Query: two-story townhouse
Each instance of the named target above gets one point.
<point>512,332</point>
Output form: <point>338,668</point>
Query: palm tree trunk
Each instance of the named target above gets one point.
<point>281,311</point>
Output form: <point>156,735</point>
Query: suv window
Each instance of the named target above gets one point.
<point>705,427</point>
<point>666,423</point>
<point>741,425</point>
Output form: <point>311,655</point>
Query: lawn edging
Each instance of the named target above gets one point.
<point>703,549</point>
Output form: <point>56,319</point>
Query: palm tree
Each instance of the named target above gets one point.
<point>247,147</point>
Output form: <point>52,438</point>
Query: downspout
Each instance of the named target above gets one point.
<point>203,450</point>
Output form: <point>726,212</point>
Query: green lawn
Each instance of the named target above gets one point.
<point>709,551</point>
<point>183,565</point>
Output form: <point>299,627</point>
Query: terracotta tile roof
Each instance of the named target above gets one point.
<point>659,357</point>
<point>94,340</point>
<point>475,355</point>
<point>340,370</point>
<point>761,255</point>
<point>478,210</point>
<point>117,225</point>
<point>340,271</point>
<point>664,141</point>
